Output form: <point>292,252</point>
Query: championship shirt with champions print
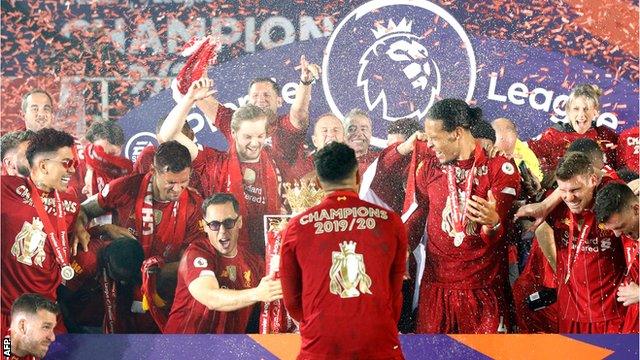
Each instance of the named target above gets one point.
<point>341,268</point>
<point>596,271</point>
<point>188,315</point>
<point>28,261</point>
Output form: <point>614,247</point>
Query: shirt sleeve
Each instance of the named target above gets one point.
<point>505,188</point>
<point>223,121</point>
<point>288,143</point>
<point>291,274</point>
<point>543,147</point>
<point>196,263</point>
<point>144,160</point>
<point>117,193</point>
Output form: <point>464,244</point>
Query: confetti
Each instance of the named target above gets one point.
<point>35,50</point>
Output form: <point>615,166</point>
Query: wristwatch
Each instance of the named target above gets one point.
<point>496,226</point>
<point>309,82</point>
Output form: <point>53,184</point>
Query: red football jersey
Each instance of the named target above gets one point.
<point>597,270</point>
<point>119,196</point>
<point>631,322</point>
<point>286,146</point>
<point>188,316</point>
<point>209,171</point>
<point>479,262</point>
<point>553,143</point>
<point>28,261</point>
<point>629,149</point>
<point>341,268</point>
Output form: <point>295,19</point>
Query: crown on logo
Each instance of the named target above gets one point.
<point>348,247</point>
<point>403,26</point>
<point>302,196</point>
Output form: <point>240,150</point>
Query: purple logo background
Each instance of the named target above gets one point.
<point>526,84</point>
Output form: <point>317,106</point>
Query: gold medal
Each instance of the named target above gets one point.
<point>249,176</point>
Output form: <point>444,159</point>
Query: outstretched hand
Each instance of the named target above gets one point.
<point>308,71</point>
<point>200,89</point>
<point>407,146</point>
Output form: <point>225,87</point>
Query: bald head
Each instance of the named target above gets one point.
<point>506,135</point>
<point>327,129</point>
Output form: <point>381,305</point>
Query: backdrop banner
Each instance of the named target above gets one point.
<point>393,60</point>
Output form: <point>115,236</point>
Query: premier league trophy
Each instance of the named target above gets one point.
<point>301,196</point>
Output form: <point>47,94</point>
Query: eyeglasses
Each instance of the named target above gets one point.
<point>227,223</point>
<point>66,163</point>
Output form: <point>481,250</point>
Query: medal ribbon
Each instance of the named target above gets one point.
<point>144,200</point>
<point>589,219</point>
<point>632,256</point>
<point>57,234</point>
<point>109,296</point>
<point>457,214</point>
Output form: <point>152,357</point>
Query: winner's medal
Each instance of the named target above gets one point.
<point>67,272</point>
<point>459,211</point>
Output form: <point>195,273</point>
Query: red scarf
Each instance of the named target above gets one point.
<point>270,185</point>
<point>106,167</point>
<point>420,149</point>
<point>56,233</point>
<point>145,223</point>
<point>150,270</point>
<point>201,54</point>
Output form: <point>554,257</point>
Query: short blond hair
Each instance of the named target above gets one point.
<point>591,92</point>
<point>250,113</point>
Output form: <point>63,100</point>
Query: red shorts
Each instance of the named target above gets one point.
<point>613,326</point>
<point>462,311</point>
<point>529,321</point>
<point>631,320</point>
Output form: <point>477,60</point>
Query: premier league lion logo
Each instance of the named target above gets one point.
<point>395,59</point>
<point>399,51</point>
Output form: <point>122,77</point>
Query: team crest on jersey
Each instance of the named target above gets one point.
<point>348,276</point>
<point>230,272</point>
<point>247,278</point>
<point>28,247</point>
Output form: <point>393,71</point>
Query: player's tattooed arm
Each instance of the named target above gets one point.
<point>90,209</point>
